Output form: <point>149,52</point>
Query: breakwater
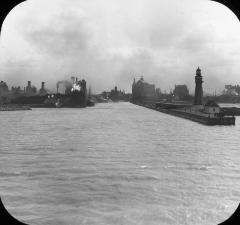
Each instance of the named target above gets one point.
<point>192,115</point>
<point>14,108</point>
<point>229,111</point>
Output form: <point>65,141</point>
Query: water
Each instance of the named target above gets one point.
<point>117,164</point>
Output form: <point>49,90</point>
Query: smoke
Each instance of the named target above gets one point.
<point>108,43</point>
<point>67,84</point>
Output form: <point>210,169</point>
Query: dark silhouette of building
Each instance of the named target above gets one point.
<point>232,90</point>
<point>212,108</point>
<point>198,99</point>
<point>105,94</point>
<point>30,90</point>
<point>181,92</point>
<point>16,89</point>
<point>16,92</point>
<point>158,92</point>
<point>42,90</point>
<point>4,93</point>
<point>142,90</point>
<point>116,95</point>
<point>65,86</point>
<point>3,88</point>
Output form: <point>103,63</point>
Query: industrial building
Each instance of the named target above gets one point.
<point>141,90</point>
<point>181,92</point>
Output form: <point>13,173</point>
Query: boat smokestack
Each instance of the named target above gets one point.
<point>43,85</point>
<point>73,79</point>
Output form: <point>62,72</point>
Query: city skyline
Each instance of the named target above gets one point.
<point>111,43</point>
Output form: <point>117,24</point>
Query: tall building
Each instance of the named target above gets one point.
<point>181,92</point>
<point>142,90</point>
<point>198,99</point>
<point>42,91</point>
<point>16,91</point>
<point>3,88</point>
<point>30,90</point>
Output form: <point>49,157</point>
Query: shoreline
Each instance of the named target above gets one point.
<point>193,116</point>
<point>14,108</point>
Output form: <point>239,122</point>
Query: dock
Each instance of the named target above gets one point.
<point>193,115</point>
<point>14,108</point>
<point>229,111</point>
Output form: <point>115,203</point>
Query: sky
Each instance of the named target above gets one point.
<point>111,42</point>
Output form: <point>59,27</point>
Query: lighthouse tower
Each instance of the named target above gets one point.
<point>198,99</point>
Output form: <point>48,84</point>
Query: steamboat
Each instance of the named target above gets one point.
<point>75,95</point>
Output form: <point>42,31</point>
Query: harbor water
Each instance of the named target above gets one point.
<point>117,164</point>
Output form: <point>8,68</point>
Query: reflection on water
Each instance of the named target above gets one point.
<point>117,164</point>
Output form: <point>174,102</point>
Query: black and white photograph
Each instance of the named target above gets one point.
<point>120,112</point>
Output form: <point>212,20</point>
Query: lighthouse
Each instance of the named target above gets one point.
<point>198,99</point>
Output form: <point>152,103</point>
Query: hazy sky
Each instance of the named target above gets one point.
<point>109,42</point>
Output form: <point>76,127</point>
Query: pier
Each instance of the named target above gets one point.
<point>14,108</point>
<point>207,113</point>
<point>191,114</point>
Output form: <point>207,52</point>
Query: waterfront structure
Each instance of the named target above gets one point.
<point>30,90</point>
<point>212,108</point>
<point>3,88</point>
<point>75,95</point>
<point>231,94</point>
<point>181,92</point>
<point>10,107</point>
<point>142,90</point>
<point>42,90</point>
<point>64,86</point>
<point>7,95</point>
<point>231,90</point>
<point>117,95</point>
<point>198,98</point>
<point>114,95</point>
<point>158,92</point>
<point>208,114</point>
<point>16,90</point>
<point>4,92</point>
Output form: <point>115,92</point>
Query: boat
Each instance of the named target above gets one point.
<point>75,96</point>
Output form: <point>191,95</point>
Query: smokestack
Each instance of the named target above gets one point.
<point>43,85</point>
<point>29,83</point>
<point>57,87</point>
